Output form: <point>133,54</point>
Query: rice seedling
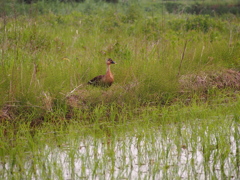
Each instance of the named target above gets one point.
<point>188,142</point>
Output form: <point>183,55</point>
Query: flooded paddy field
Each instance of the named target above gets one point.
<point>196,149</point>
<point>154,155</point>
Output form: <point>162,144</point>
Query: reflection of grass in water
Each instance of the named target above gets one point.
<point>195,141</point>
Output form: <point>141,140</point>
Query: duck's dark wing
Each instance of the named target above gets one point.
<point>96,80</point>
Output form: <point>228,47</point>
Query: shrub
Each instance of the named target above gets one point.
<point>174,7</point>
<point>199,23</point>
<point>32,1</point>
<point>212,9</point>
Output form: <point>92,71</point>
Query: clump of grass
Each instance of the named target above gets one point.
<point>207,81</point>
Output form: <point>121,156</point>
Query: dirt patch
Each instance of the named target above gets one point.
<point>5,114</point>
<point>78,100</point>
<point>227,78</point>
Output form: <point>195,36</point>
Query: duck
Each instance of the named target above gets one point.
<point>104,80</point>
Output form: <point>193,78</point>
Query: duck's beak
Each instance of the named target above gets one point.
<point>113,62</point>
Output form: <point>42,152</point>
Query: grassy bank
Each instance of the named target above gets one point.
<point>46,56</point>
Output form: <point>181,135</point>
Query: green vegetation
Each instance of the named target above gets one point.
<point>177,78</point>
<point>44,57</point>
<point>194,141</point>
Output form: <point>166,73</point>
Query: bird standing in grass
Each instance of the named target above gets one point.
<point>104,80</point>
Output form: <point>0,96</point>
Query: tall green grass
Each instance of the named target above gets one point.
<point>46,55</point>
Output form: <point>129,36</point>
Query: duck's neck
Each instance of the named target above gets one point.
<point>109,74</point>
<point>108,69</point>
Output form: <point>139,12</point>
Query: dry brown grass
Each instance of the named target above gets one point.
<point>227,78</point>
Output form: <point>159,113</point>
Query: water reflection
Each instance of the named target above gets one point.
<point>152,156</point>
<point>165,153</point>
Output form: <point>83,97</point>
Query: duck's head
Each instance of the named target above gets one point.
<point>110,61</point>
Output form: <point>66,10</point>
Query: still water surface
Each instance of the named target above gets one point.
<point>152,155</point>
<point>172,152</point>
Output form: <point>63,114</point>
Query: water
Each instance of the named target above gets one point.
<point>152,156</point>
<point>173,152</point>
